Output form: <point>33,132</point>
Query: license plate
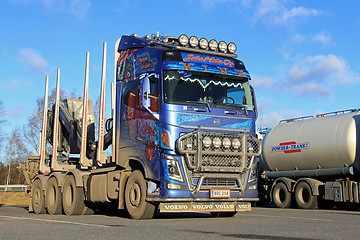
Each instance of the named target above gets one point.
<point>219,193</point>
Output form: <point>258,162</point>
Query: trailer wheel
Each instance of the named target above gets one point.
<point>38,198</point>
<point>135,194</point>
<point>223,214</point>
<point>73,197</point>
<point>304,197</point>
<point>53,197</point>
<point>281,196</point>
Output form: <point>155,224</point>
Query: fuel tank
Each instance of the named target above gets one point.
<point>324,142</point>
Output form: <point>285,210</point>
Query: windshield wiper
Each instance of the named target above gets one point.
<point>201,102</point>
<point>237,105</point>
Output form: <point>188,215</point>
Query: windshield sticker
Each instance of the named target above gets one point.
<point>206,68</point>
<point>290,147</point>
<point>197,58</point>
<point>205,83</point>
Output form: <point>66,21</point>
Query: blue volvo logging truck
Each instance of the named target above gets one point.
<point>182,133</point>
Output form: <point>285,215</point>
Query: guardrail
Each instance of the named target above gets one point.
<point>13,188</point>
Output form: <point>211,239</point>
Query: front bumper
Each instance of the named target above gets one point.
<point>204,206</point>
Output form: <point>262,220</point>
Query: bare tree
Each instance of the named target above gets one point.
<point>16,152</point>
<point>2,121</point>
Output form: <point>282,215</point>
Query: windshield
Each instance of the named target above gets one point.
<point>182,87</point>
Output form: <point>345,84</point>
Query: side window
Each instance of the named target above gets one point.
<point>130,94</point>
<point>154,94</point>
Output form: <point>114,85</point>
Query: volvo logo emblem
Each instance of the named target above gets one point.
<point>217,121</point>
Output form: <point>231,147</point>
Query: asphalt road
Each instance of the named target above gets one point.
<point>261,223</point>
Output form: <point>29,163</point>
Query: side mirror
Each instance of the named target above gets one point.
<point>145,90</point>
<point>254,101</point>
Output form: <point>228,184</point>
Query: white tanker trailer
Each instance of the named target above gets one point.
<point>310,160</point>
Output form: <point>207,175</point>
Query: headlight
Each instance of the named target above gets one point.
<point>217,142</point>
<point>236,143</point>
<point>253,172</point>
<point>183,40</point>
<point>207,142</point>
<point>222,46</point>
<point>213,45</point>
<point>231,47</point>
<point>226,143</point>
<point>203,43</point>
<point>193,42</point>
<point>174,169</point>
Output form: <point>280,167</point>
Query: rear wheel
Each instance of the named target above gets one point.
<point>304,196</point>
<point>135,195</point>
<point>38,199</point>
<point>53,197</point>
<point>281,196</point>
<point>73,197</point>
<point>223,214</point>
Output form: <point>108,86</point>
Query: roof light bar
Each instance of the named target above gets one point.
<point>203,44</point>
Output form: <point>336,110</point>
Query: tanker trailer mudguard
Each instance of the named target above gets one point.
<point>190,117</point>
<point>182,133</point>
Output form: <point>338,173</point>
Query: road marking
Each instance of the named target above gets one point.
<point>299,218</point>
<point>56,221</point>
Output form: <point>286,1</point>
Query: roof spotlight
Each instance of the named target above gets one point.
<point>203,43</point>
<point>193,41</point>
<point>183,40</point>
<point>231,47</point>
<point>213,45</point>
<point>222,46</point>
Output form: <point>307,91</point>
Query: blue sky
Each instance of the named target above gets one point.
<point>303,56</point>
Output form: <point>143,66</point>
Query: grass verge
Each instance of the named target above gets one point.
<point>14,199</point>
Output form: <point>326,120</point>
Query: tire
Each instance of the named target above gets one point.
<point>223,214</point>
<point>73,198</point>
<point>135,195</point>
<point>281,196</point>
<point>38,198</point>
<point>304,197</point>
<point>53,197</point>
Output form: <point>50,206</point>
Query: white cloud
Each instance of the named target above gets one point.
<point>276,13</point>
<point>79,8</point>
<point>271,119</point>
<point>322,38</point>
<point>259,81</point>
<point>311,88</point>
<point>328,69</point>
<point>33,60</point>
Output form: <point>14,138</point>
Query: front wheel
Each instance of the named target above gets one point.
<point>135,195</point>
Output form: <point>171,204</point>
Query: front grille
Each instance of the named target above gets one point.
<point>220,182</point>
<point>214,152</point>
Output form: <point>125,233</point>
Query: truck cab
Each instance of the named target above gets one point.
<point>186,115</point>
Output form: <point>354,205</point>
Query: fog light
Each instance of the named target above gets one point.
<point>193,42</point>
<point>236,143</point>
<point>213,45</point>
<point>203,43</point>
<point>217,142</point>
<point>207,142</point>
<point>222,46</point>
<point>183,40</point>
<point>226,143</point>
<point>231,47</point>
